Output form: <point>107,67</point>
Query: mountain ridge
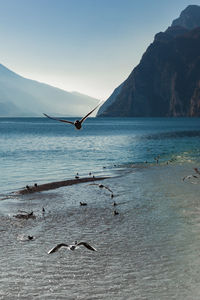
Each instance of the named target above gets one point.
<point>166,82</point>
<point>20,96</point>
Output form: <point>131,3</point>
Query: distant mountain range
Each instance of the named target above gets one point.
<point>167,80</point>
<point>24,97</point>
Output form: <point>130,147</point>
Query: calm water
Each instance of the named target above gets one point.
<point>149,251</point>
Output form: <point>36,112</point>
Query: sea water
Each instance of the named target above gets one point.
<point>150,250</point>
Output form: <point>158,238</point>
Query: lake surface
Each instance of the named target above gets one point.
<point>42,150</point>
<point>150,250</point>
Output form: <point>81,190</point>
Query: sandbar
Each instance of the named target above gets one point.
<point>57,184</point>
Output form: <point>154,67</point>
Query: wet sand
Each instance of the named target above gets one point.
<point>57,184</point>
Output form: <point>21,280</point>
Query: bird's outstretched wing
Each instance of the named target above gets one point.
<point>56,248</point>
<point>87,246</point>
<point>65,121</point>
<point>107,188</point>
<point>187,177</point>
<point>83,119</point>
<point>102,186</point>
<point>191,176</point>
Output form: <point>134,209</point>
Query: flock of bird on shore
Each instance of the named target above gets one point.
<point>28,215</point>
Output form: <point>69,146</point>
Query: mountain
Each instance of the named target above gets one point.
<point>110,100</point>
<point>189,18</point>
<point>24,97</point>
<point>167,80</point>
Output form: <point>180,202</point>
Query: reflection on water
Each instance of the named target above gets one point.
<point>172,135</point>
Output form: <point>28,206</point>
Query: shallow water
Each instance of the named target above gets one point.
<point>150,250</point>
<point>42,150</point>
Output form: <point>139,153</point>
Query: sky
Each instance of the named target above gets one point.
<point>88,46</point>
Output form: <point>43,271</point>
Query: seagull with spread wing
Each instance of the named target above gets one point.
<point>77,123</point>
<point>101,186</point>
<point>71,247</point>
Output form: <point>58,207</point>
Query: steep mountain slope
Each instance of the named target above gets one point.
<point>167,80</point>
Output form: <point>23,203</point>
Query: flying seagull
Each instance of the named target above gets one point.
<point>77,123</point>
<point>71,247</point>
<point>101,186</point>
<point>189,176</point>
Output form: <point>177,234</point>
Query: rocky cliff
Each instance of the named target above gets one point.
<point>167,80</point>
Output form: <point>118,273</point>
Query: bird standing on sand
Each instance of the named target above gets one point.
<point>71,247</point>
<point>28,188</point>
<point>77,123</point>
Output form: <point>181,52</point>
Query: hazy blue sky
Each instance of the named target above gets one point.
<point>89,46</point>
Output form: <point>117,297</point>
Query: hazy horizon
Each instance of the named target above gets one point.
<point>88,46</point>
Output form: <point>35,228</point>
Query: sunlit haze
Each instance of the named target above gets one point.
<point>88,46</point>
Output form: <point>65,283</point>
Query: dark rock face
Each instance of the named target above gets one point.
<point>189,18</point>
<point>167,80</point>
<point>110,100</point>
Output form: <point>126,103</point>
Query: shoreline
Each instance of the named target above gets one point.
<point>57,184</point>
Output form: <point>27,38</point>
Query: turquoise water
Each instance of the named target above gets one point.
<point>42,150</point>
<point>150,250</point>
